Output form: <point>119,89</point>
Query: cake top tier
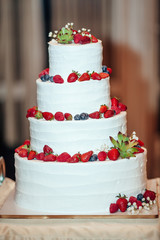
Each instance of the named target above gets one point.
<point>72,50</point>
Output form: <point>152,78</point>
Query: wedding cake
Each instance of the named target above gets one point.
<point>79,157</point>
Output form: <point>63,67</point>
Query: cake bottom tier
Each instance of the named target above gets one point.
<point>77,188</point>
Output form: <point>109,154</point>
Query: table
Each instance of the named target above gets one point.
<point>77,229</point>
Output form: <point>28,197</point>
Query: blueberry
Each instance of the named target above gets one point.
<point>84,116</point>
<point>104,68</point>
<point>51,78</point>
<point>93,158</point>
<point>77,117</point>
<point>140,197</point>
<point>45,78</point>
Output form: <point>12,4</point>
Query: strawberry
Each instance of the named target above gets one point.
<point>84,77</point>
<point>59,116</point>
<point>23,153</point>
<point>27,142</point>
<point>140,143</point>
<point>18,148</point>
<point>85,40</point>
<point>48,115</point>
<point>103,108</point>
<point>95,115</point>
<point>113,154</point>
<point>50,158</point>
<point>94,39</point>
<point>31,112</point>
<point>102,156</point>
<point>150,194</point>
<point>132,199</point>
<point>75,158</point>
<point>139,203</point>
<point>44,72</point>
<point>31,155</point>
<point>47,149</point>
<point>68,116</point>
<point>122,203</point>
<point>38,115</point>
<point>109,70</point>
<point>86,156</point>
<point>139,150</point>
<point>58,79</point>
<point>40,156</point>
<point>122,107</point>
<point>113,208</point>
<point>116,110</point>
<point>95,76</point>
<point>72,77</point>
<point>104,75</point>
<point>63,157</point>
<point>109,113</point>
<point>114,102</point>
<point>77,38</point>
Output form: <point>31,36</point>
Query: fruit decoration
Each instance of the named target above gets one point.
<point>67,35</point>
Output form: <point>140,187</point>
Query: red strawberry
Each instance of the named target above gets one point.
<point>122,203</point>
<point>139,203</point>
<point>114,102</point>
<point>113,154</point>
<point>139,150</point>
<point>58,79</point>
<point>95,76</point>
<point>63,157</point>
<point>68,116</point>
<point>27,142</point>
<point>50,158</point>
<point>59,116</point>
<point>75,158</point>
<point>116,110</point>
<point>140,143</point>
<point>109,70</point>
<point>44,72</point>
<point>40,156</point>
<point>47,149</point>
<point>18,148</point>
<point>38,115</point>
<point>23,153</point>
<point>48,116</point>
<point>132,199</point>
<point>102,156</point>
<point>31,112</point>
<point>32,155</point>
<point>150,194</point>
<point>85,40</point>
<point>104,75</point>
<point>95,115</point>
<point>94,39</point>
<point>86,156</point>
<point>113,208</point>
<point>72,77</point>
<point>77,38</point>
<point>109,113</point>
<point>103,108</point>
<point>122,107</point>
<point>84,77</point>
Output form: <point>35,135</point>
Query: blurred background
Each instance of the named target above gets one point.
<point>130,31</point>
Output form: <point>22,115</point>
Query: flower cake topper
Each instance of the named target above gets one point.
<point>67,35</point>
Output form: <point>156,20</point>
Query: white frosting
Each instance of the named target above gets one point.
<point>64,58</point>
<point>76,97</point>
<point>78,188</point>
<point>75,136</point>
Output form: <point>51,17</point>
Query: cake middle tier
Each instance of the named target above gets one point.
<point>74,98</point>
<point>76,136</point>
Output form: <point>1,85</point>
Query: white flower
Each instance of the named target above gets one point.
<point>50,34</point>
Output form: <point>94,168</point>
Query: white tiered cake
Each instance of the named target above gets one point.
<point>87,186</point>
